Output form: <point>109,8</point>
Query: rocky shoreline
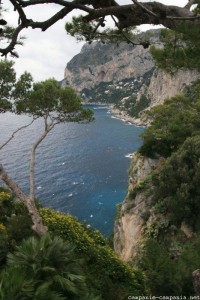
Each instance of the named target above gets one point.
<point>119,114</point>
<point>122,115</point>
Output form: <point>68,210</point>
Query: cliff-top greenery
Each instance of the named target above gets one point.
<point>170,249</point>
<point>71,262</point>
<point>180,50</point>
<point>171,123</point>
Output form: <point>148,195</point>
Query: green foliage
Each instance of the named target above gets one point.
<point>134,107</point>
<point>50,265</point>
<point>177,184</point>
<point>41,99</point>
<point>78,28</point>
<point>10,88</point>
<point>171,248</point>
<point>41,268</point>
<point>15,285</point>
<point>4,244</point>
<point>172,122</point>
<point>197,8</point>
<point>23,86</point>
<point>106,274</point>
<point>118,211</point>
<point>6,204</point>
<point>84,31</point>
<point>181,50</point>
<point>15,223</point>
<point>16,218</point>
<point>139,106</point>
<point>7,33</point>
<point>193,93</point>
<point>160,270</point>
<point>174,133</point>
<point>7,81</point>
<point>167,276</point>
<point>48,99</point>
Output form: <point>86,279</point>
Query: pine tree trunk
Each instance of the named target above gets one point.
<point>38,226</point>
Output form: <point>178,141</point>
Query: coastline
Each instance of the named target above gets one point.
<point>119,114</point>
<point>122,115</point>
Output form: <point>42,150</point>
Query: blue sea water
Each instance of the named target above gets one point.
<point>81,169</point>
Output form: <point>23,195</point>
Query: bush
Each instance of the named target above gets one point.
<point>165,275</point>
<point>106,273</point>
<point>172,123</point>
<point>48,266</point>
<point>177,184</point>
<point>16,222</point>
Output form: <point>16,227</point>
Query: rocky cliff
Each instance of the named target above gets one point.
<point>109,72</point>
<point>163,85</point>
<point>123,74</point>
<point>135,209</point>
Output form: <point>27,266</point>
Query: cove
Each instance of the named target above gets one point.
<point>81,169</point>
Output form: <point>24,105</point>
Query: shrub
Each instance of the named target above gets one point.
<point>172,123</point>
<point>177,185</point>
<point>105,272</point>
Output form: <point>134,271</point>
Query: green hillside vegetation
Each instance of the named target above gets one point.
<point>181,50</point>
<point>170,249</point>
<point>172,123</point>
<point>71,262</point>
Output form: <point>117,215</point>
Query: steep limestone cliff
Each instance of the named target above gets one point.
<point>163,85</point>
<point>107,63</point>
<point>135,209</point>
<point>123,75</point>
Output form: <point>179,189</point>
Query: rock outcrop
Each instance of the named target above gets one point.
<point>124,75</point>
<point>107,63</point>
<point>163,85</point>
<point>131,220</point>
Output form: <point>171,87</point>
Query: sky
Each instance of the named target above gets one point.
<point>45,54</point>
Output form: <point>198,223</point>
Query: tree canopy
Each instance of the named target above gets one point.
<point>172,122</point>
<point>180,50</point>
<point>46,100</point>
<point>95,12</point>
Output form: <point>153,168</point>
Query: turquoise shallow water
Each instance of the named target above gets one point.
<point>81,169</point>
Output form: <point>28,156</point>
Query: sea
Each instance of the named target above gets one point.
<point>81,169</point>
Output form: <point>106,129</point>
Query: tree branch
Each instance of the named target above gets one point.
<point>190,3</point>
<point>144,8</point>
<point>38,226</point>
<point>16,131</point>
<point>144,44</point>
<point>11,46</point>
<point>12,185</point>
<point>32,164</point>
<point>48,128</point>
<point>19,10</point>
<point>128,15</point>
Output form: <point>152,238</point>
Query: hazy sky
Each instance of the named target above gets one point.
<point>45,54</point>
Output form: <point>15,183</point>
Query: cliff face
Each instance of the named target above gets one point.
<point>123,75</point>
<point>163,85</point>
<point>135,210</point>
<point>109,72</point>
<point>107,63</point>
